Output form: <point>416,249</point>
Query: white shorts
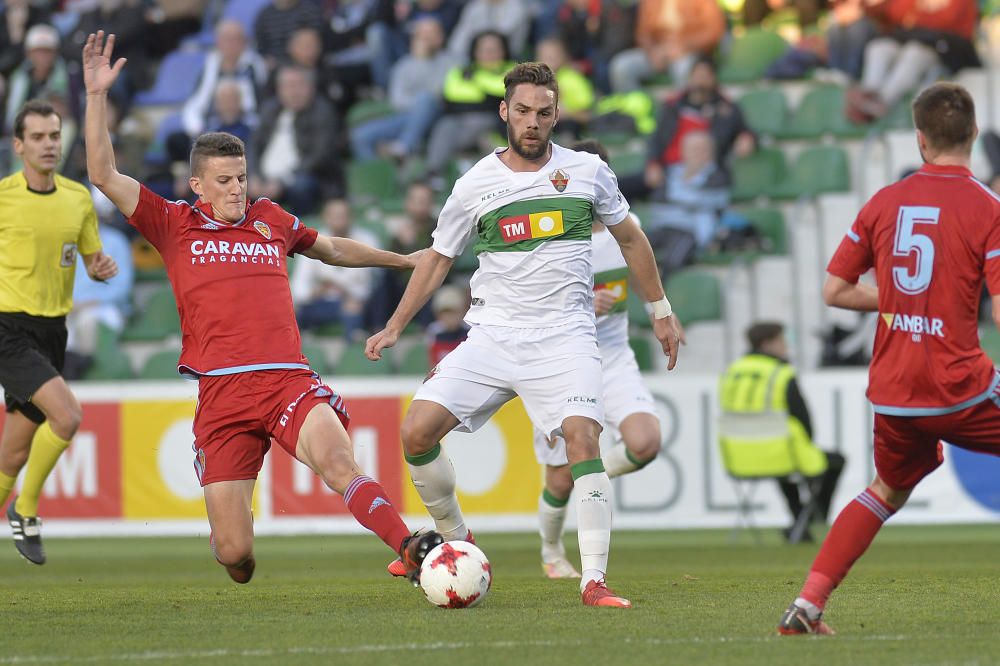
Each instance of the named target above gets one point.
<point>624,393</point>
<point>556,371</point>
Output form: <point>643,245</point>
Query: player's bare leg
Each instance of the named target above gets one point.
<point>325,447</point>
<point>641,441</point>
<point>433,475</point>
<point>593,509</point>
<point>552,518</point>
<point>231,520</point>
<point>849,537</point>
<point>15,442</point>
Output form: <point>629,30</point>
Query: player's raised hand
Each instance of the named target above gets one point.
<point>670,334</point>
<point>381,340</point>
<point>98,74</point>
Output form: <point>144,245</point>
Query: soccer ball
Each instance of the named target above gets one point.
<point>455,574</point>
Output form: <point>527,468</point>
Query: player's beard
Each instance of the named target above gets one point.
<point>530,154</point>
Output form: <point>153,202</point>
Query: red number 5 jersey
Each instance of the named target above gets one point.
<point>230,282</point>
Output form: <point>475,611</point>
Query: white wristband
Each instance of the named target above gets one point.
<point>661,308</point>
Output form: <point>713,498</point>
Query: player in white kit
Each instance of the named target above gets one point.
<point>629,410</point>
<point>529,208</point>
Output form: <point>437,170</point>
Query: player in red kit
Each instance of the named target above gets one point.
<point>225,258</point>
<point>932,239</point>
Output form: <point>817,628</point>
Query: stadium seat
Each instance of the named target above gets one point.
<point>637,315</point>
<point>366,110</point>
<point>317,358</point>
<point>147,261</point>
<point>415,361</point>
<point>695,295</point>
<point>814,116</point>
<point>244,11</point>
<point>161,365</point>
<point>629,163</point>
<point>157,319</point>
<point>643,350</point>
<point>372,180</point>
<point>756,174</point>
<point>989,339</point>
<point>769,223</point>
<point>175,80</point>
<point>110,363</point>
<point>816,170</point>
<point>156,153</point>
<point>467,262</point>
<point>750,55</point>
<point>765,110</point>
<point>354,362</point>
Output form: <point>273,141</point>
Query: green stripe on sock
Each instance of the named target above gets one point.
<point>424,458</point>
<point>552,500</point>
<point>635,461</point>
<point>586,467</point>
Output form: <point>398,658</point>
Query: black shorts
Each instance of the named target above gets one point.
<point>32,351</point>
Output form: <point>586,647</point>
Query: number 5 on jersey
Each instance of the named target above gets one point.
<point>909,241</point>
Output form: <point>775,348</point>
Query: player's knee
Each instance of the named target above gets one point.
<point>417,437</point>
<point>66,421</point>
<point>644,447</point>
<point>337,468</point>
<point>891,496</point>
<point>232,552</point>
<point>15,458</point>
<point>559,485</point>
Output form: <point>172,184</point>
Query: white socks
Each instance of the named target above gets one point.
<point>551,518</point>
<point>593,497</point>
<point>434,478</point>
<point>617,461</point>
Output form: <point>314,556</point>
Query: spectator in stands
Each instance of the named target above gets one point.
<point>409,233</point>
<point>448,330</point>
<point>690,204</point>
<point>126,20</point>
<point>576,92</point>
<point>595,31</point>
<point>472,95</point>
<point>170,21</point>
<point>415,94</point>
<point>744,388</point>
<point>808,11</point>
<point>97,304</point>
<point>277,21</point>
<point>920,40</point>
<point>16,18</point>
<point>670,36</point>
<point>363,50</point>
<point>305,49</point>
<point>509,18</point>
<point>42,74</point>
<point>446,12</point>
<point>699,106</point>
<point>334,295</point>
<point>297,145</point>
<point>847,36</point>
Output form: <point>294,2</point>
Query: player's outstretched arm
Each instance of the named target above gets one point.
<point>642,264</point>
<point>98,77</point>
<point>428,275</point>
<point>839,293</point>
<point>352,254</point>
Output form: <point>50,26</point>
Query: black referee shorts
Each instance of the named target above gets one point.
<point>32,351</point>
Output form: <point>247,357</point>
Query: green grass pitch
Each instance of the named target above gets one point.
<point>922,595</point>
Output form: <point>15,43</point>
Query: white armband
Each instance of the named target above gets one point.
<point>661,308</point>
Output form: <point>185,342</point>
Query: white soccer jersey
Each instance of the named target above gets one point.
<point>532,234</point>
<point>611,273</point>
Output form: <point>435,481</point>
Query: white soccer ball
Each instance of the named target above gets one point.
<point>456,574</point>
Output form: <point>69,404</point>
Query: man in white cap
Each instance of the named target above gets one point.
<point>42,75</point>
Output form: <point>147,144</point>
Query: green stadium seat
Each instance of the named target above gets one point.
<point>814,116</point>
<point>643,350</point>
<point>362,112</point>
<point>756,174</point>
<point>765,110</point>
<point>161,365</point>
<point>354,362</point>
<point>110,362</point>
<point>317,358</point>
<point>817,170</point>
<point>769,224</point>
<point>467,262</point>
<point>637,315</point>
<point>628,163</point>
<point>415,361</point>
<point>695,295</point>
<point>372,180</point>
<point>750,55</point>
<point>989,339</point>
<point>157,319</point>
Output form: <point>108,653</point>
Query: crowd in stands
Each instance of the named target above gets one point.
<point>317,87</point>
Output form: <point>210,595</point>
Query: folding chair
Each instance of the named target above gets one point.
<point>756,447</point>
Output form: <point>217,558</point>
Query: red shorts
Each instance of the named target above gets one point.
<point>238,415</point>
<point>908,448</point>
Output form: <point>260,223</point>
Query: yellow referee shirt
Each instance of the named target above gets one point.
<point>40,235</point>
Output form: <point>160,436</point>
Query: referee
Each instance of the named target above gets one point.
<point>45,220</point>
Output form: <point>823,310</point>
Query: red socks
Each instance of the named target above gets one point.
<point>369,503</point>
<point>851,534</point>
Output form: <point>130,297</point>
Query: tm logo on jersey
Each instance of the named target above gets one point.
<point>534,225</point>
<point>915,325</point>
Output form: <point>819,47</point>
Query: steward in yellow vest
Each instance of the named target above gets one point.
<point>763,382</point>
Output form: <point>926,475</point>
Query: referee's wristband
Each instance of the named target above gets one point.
<point>661,308</point>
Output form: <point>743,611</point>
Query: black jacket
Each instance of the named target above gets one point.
<point>317,136</point>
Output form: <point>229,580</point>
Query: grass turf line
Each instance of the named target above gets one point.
<point>923,595</point>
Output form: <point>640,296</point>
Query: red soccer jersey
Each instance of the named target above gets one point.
<point>230,282</point>
<point>931,238</point>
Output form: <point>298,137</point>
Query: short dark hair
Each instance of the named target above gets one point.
<point>33,107</point>
<point>215,144</point>
<point>762,332</point>
<point>535,73</point>
<point>591,146</point>
<point>946,115</point>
